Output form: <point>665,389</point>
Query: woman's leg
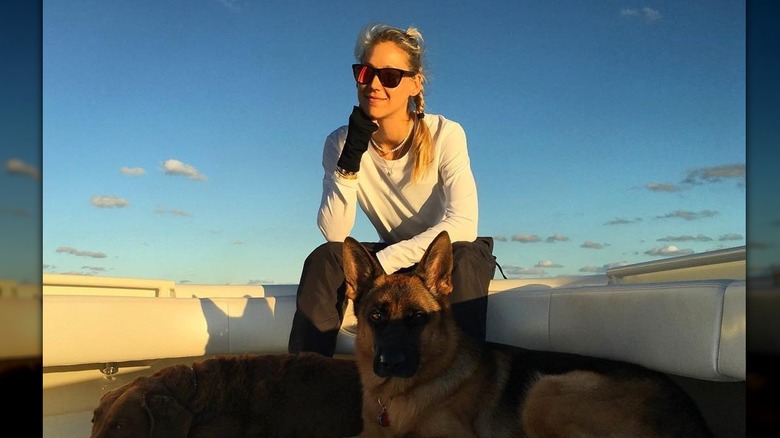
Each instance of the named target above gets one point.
<point>474,267</point>
<point>320,302</point>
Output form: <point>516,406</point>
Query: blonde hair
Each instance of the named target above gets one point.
<point>411,42</point>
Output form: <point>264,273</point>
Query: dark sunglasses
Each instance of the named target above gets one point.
<point>388,77</point>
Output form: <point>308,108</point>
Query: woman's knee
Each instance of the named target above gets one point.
<point>473,264</point>
<point>328,253</point>
<point>322,274</point>
<point>469,253</point>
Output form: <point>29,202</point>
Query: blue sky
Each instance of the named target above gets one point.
<point>20,139</point>
<point>182,140</point>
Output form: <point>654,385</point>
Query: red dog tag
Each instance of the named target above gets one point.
<point>383,419</point>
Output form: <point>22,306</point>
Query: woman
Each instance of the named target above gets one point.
<point>410,174</point>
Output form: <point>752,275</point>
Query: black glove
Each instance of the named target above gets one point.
<point>360,129</point>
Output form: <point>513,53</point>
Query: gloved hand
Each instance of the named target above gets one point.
<point>359,134</point>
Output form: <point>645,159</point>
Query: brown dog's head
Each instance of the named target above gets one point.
<point>140,410</point>
<point>403,319</point>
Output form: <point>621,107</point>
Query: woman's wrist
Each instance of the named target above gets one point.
<point>346,174</point>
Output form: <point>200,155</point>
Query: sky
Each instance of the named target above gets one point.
<point>20,142</point>
<point>182,140</point>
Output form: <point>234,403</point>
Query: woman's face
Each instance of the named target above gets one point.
<point>378,101</point>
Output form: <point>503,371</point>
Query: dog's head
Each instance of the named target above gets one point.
<point>403,318</point>
<point>137,410</point>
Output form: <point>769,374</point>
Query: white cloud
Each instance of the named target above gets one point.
<point>668,251</point>
<point>623,221</point>
<point>689,215</point>
<point>649,14</point>
<point>602,269</point>
<point>547,264</point>
<point>663,187</point>
<point>716,174</point>
<point>17,212</point>
<point>593,269</point>
<point>525,238</point>
<point>108,201</point>
<point>176,167</point>
<point>132,171</point>
<point>518,270</point>
<point>686,238</point>
<point>18,167</point>
<point>233,5</point>
<point>172,212</point>
<point>626,12</point>
<point>256,282</point>
<point>81,253</point>
<point>557,237</point>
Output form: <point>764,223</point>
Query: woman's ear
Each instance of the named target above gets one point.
<point>417,87</point>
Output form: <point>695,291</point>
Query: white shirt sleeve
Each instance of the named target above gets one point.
<point>338,205</point>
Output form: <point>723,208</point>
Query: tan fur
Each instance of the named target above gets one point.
<point>586,404</point>
<point>447,385</point>
<point>305,395</point>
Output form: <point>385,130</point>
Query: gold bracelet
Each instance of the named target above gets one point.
<point>346,174</point>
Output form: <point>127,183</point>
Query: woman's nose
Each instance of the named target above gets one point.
<point>375,84</point>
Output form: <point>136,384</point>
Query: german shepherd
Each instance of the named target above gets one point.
<point>422,377</point>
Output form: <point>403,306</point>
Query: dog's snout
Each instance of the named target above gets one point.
<point>392,360</point>
<point>395,363</point>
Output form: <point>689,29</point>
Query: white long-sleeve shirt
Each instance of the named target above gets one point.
<point>406,215</point>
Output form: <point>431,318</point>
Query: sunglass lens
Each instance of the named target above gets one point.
<point>390,78</point>
<point>363,74</point>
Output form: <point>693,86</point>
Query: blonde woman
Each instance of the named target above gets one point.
<point>410,174</point>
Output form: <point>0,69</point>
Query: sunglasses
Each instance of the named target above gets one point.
<point>388,77</point>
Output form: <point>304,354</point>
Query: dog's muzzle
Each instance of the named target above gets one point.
<point>393,362</point>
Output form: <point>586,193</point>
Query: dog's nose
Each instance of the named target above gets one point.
<point>392,359</point>
<point>391,362</point>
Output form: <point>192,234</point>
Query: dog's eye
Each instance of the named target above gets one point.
<point>417,317</point>
<point>118,426</point>
<point>375,315</point>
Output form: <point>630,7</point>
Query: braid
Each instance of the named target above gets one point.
<point>419,103</point>
<point>422,143</point>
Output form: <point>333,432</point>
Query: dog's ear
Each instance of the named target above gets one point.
<point>435,267</point>
<point>169,419</point>
<point>360,267</point>
<point>103,412</point>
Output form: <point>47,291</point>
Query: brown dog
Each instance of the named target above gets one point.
<point>421,377</point>
<point>286,395</point>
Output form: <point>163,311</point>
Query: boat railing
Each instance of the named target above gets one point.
<point>718,264</point>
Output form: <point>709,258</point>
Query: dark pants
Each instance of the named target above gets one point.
<point>321,299</point>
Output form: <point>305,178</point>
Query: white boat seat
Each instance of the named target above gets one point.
<point>693,328</point>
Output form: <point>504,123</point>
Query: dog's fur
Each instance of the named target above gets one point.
<point>239,396</point>
<point>430,380</point>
